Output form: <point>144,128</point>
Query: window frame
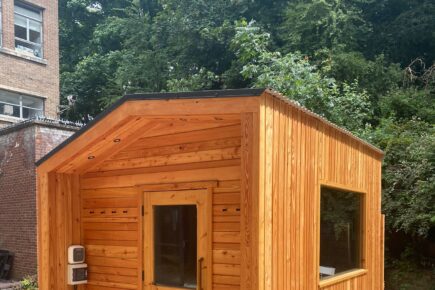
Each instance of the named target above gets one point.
<point>21,106</point>
<point>352,273</point>
<point>33,8</point>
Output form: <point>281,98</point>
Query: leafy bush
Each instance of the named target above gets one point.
<point>29,283</point>
<point>406,274</point>
<point>408,175</point>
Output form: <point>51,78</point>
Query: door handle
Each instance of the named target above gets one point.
<point>199,282</point>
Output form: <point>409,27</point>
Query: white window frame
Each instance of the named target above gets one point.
<point>28,18</point>
<point>21,106</point>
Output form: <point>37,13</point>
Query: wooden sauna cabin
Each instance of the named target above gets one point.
<point>223,190</point>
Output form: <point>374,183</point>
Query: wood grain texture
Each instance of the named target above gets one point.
<point>109,200</point>
<point>263,162</point>
<point>299,154</point>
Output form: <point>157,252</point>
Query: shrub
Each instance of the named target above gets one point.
<point>29,283</point>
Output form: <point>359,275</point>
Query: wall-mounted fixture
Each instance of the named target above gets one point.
<point>77,269</point>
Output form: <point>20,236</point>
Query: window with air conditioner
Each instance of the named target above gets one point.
<point>28,29</point>
<point>20,106</point>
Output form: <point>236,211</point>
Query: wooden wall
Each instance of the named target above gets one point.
<point>58,226</point>
<point>110,216</point>
<point>298,153</point>
<point>268,161</point>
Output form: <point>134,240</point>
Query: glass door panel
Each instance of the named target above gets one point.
<point>175,245</point>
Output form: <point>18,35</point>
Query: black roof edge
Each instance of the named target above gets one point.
<point>197,94</point>
<point>153,96</point>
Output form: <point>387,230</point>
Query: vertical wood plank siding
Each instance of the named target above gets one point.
<point>300,153</point>
<point>60,211</point>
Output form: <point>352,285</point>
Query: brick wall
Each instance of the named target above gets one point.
<point>19,149</point>
<point>17,199</point>
<point>21,74</point>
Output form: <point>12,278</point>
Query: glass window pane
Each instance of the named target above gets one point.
<point>28,11</point>
<point>33,103</point>
<point>34,31</point>
<point>9,97</point>
<point>20,21</point>
<point>35,36</point>
<point>20,32</point>
<point>20,27</point>
<point>10,105</point>
<point>9,110</point>
<point>175,246</point>
<point>31,113</point>
<point>35,26</point>
<point>340,231</point>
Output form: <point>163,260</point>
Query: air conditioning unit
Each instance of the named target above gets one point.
<point>26,50</point>
<point>8,110</point>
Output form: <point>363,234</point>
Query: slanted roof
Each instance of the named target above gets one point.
<point>322,119</point>
<point>154,96</point>
<point>212,94</point>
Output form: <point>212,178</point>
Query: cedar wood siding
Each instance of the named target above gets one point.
<point>268,158</point>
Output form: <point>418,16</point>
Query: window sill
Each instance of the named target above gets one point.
<point>11,119</point>
<point>341,277</point>
<point>23,56</point>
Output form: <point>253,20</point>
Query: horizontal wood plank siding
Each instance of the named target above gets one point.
<point>111,204</point>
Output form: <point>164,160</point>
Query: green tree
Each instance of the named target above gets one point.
<point>408,174</point>
<point>294,76</point>
<point>311,25</point>
<point>348,60</point>
<point>402,29</point>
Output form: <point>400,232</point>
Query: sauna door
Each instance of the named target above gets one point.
<point>177,243</point>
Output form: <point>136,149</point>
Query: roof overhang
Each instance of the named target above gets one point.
<point>174,102</point>
<point>211,102</point>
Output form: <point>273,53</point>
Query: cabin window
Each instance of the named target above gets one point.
<point>28,29</point>
<point>341,220</point>
<point>175,246</point>
<point>20,106</point>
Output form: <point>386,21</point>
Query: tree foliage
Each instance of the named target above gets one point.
<point>295,77</point>
<point>408,175</point>
<point>312,25</point>
<point>366,65</point>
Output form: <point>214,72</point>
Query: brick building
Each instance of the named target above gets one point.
<point>29,101</point>
<point>20,146</point>
<point>29,60</point>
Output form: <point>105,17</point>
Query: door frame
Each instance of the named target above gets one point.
<point>207,186</point>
